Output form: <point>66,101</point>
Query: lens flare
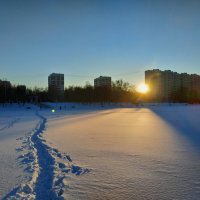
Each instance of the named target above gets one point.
<point>143,88</point>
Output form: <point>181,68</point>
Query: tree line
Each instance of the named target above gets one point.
<point>120,91</point>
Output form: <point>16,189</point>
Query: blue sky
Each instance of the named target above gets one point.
<point>87,38</point>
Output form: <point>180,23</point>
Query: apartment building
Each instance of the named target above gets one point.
<point>56,86</point>
<point>102,81</point>
<point>5,83</point>
<point>164,84</point>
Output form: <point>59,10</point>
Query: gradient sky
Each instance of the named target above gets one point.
<point>87,38</point>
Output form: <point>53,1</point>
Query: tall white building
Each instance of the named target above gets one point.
<point>102,81</point>
<point>56,86</point>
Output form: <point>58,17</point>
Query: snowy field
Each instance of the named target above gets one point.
<point>94,152</point>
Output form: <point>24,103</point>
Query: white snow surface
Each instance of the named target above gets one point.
<point>15,123</point>
<point>100,152</point>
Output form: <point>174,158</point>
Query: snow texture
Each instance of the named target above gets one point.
<point>139,152</point>
<point>47,177</point>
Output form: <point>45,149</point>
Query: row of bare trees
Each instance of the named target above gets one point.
<point>12,93</point>
<point>120,91</point>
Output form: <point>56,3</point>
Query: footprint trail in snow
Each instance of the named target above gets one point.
<point>48,167</point>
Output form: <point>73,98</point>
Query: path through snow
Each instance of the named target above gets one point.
<point>47,165</point>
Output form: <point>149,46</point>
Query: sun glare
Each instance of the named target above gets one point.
<point>143,88</point>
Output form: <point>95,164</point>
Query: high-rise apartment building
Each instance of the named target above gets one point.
<point>165,84</point>
<point>102,81</point>
<point>56,86</point>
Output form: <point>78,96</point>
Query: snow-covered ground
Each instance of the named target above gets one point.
<point>94,152</point>
<point>15,122</point>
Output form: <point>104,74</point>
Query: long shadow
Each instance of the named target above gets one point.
<point>11,193</point>
<point>43,186</point>
<point>184,119</point>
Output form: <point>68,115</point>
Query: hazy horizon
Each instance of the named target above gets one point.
<point>86,39</point>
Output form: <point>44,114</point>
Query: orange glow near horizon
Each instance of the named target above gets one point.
<point>143,88</point>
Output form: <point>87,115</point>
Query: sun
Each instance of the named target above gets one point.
<point>143,88</point>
